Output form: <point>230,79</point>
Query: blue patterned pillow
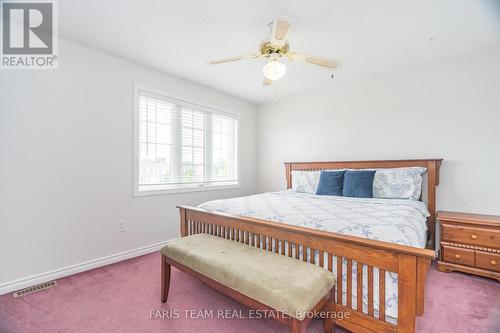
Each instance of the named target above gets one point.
<point>331,183</point>
<point>398,183</point>
<point>358,184</point>
<point>305,181</point>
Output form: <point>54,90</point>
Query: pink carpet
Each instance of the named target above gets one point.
<point>123,297</point>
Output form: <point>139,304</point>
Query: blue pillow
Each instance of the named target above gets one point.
<point>330,183</point>
<point>358,184</point>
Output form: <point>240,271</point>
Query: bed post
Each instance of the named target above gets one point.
<point>432,182</point>
<point>407,290</point>
<point>423,265</point>
<point>288,173</point>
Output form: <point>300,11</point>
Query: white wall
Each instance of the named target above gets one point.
<point>66,172</point>
<point>449,110</point>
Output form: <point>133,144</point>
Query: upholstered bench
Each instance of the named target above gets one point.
<point>285,289</point>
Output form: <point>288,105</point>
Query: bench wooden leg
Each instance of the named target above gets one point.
<point>165,279</point>
<point>296,326</point>
<point>329,319</point>
<point>329,325</point>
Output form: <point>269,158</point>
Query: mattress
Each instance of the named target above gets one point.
<point>391,220</point>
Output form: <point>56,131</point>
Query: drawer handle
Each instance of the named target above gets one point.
<point>493,263</point>
<point>457,256</point>
<point>473,236</point>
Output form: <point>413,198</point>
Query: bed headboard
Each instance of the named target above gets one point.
<point>432,166</point>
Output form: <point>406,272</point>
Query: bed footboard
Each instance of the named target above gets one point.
<point>333,250</point>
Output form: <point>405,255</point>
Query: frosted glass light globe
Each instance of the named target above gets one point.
<point>274,70</point>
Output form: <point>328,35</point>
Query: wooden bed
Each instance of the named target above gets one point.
<point>410,263</point>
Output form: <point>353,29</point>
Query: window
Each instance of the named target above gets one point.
<point>182,146</point>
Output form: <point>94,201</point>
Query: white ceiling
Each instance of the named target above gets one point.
<point>371,37</point>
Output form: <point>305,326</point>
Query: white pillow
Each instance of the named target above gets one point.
<point>398,183</point>
<point>305,181</point>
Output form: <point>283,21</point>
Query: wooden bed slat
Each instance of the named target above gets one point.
<point>370,291</point>
<point>381,293</point>
<point>349,283</point>
<point>359,285</point>
<point>339,280</point>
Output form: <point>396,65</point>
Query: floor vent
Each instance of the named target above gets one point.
<point>34,289</point>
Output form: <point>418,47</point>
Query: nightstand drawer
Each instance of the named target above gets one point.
<point>458,256</point>
<point>468,235</point>
<point>489,261</point>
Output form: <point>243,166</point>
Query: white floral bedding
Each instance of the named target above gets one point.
<point>391,220</point>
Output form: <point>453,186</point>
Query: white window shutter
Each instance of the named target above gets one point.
<point>182,144</point>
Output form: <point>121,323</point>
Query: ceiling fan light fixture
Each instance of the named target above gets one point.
<point>274,70</point>
<point>277,47</point>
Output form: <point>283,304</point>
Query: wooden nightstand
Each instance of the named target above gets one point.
<point>470,243</point>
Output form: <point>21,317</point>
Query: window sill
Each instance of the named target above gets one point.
<point>148,190</point>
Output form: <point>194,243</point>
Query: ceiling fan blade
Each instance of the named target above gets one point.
<point>315,60</point>
<point>279,32</point>
<point>266,81</point>
<point>243,57</point>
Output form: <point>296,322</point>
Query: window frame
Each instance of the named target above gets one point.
<point>178,188</point>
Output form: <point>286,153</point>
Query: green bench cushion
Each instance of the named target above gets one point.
<point>280,282</point>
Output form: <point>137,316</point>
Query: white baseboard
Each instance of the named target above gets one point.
<point>29,281</point>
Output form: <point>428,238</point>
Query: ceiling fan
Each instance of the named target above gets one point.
<point>277,48</point>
